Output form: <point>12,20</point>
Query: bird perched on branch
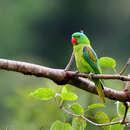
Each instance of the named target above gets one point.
<point>87,60</point>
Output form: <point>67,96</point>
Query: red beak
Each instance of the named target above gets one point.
<point>74,40</point>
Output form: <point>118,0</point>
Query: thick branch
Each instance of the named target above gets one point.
<point>61,77</point>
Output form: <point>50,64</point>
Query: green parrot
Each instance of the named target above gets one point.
<point>87,60</point>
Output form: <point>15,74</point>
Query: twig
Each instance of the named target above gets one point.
<point>91,122</point>
<point>56,102</point>
<point>125,67</point>
<point>85,118</point>
<point>126,110</point>
<point>99,76</point>
<point>70,62</point>
<point>106,124</point>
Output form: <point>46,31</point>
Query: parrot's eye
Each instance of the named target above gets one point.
<point>79,36</point>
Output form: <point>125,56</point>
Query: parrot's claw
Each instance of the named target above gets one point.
<point>76,72</point>
<point>90,76</point>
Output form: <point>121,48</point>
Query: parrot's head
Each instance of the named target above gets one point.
<point>80,38</point>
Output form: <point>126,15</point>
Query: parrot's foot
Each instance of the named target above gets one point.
<point>90,76</point>
<point>76,72</point>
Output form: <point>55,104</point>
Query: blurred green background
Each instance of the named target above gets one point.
<point>40,32</point>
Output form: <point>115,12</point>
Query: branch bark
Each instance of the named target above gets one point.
<point>59,76</point>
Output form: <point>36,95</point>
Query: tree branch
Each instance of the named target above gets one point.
<point>59,76</point>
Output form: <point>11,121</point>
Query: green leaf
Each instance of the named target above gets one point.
<point>93,106</point>
<point>102,118</point>
<point>43,93</point>
<point>77,108</point>
<point>65,95</point>
<point>107,62</point>
<point>78,124</point>
<point>120,108</point>
<point>58,125</point>
<point>117,126</point>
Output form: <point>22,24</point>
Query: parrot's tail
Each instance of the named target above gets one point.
<point>99,87</point>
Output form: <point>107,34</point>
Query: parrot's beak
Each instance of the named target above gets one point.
<point>74,41</point>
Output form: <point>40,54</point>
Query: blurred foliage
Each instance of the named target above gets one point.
<point>40,32</point>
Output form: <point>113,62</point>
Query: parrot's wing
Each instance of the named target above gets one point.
<point>91,58</point>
